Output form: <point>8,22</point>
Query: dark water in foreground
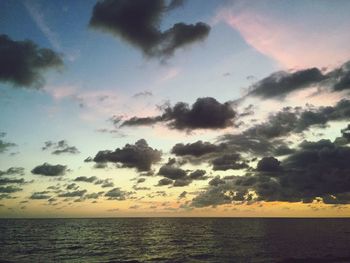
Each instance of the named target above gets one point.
<point>175,240</point>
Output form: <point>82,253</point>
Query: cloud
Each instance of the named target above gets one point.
<point>13,171</point>
<point>266,138</point>
<point>23,63</point>
<point>139,156</point>
<point>77,193</point>
<point>198,175</point>
<point>316,170</point>
<point>40,195</point>
<point>60,147</point>
<point>138,22</point>
<point>143,94</point>
<point>172,172</point>
<point>293,40</point>
<point>47,169</point>
<point>205,113</point>
<point>117,194</point>
<point>196,149</point>
<point>229,161</point>
<point>9,189</point>
<point>164,181</point>
<point>5,181</point>
<point>90,179</point>
<point>4,146</point>
<point>280,84</point>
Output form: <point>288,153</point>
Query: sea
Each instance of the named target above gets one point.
<point>175,240</point>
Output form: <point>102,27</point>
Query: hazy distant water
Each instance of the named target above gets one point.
<point>175,240</point>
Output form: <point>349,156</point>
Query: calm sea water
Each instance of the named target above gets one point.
<point>175,240</point>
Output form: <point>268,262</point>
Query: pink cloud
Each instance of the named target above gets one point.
<point>292,45</point>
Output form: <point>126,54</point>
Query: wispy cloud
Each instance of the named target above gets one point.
<point>37,15</point>
<point>271,36</point>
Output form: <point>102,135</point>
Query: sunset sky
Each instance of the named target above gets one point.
<point>174,108</point>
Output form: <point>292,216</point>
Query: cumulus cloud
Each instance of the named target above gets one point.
<point>76,193</point>
<point>22,63</point>
<point>280,84</point>
<point>205,113</point>
<point>60,147</point>
<point>196,149</point>
<point>266,137</point>
<point>117,194</point>
<point>138,155</point>
<point>90,179</point>
<point>9,189</point>
<point>172,172</point>
<point>164,181</point>
<point>229,161</point>
<point>138,22</point>
<point>40,195</point>
<point>316,170</point>
<point>13,171</point>
<point>47,169</point>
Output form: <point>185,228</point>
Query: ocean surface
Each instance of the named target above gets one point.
<point>175,240</point>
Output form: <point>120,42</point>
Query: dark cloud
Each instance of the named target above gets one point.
<point>172,172</point>
<point>164,181</point>
<point>182,182</point>
<point>93,195</point>
<point>183,195</point>
<point>205,113</point>
<point>22,63</point>
<point>229,161</point>
<point>90,179</point>
<point>50,170</point>
<point>13,171</point>
<point>198,175</point>
<point>266,138</point>
<point>5,181</point>
<point>269,164</point>
<point>60,147</point>
<point>196,149</point>
<point>9,189</point>
<point>40,195</point>
<point>316,170</point>
<point>216,181</point>
<point>280,84</point>
<point>72,186</point>
<point>117,194</point>
<point>4,146</point>
<point>139,156</point>
<point>77,193</point>
<point>138,22</point>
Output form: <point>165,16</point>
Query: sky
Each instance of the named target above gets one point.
<point>174,108</point>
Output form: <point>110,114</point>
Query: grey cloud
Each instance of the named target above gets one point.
<point>77,193</point>
<point>40,195</point>
<point>279,84</point>
<point>47,169</point>
<point>13,171</point>
<point>117,194</point>
<point>139,156</point>
<point>205,113</point>
<point>60,147</point>
<point>22,63</point>
<point>229,161</point>
<point>90,179</point>
<point>197,149</point>
<point>138,22</point>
